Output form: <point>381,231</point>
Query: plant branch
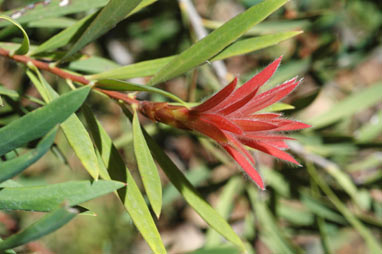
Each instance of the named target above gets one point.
<point>66,75</point>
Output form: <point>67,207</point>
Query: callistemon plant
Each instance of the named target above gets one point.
<point>231,117</point>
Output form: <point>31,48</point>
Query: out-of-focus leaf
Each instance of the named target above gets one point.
<point>74,130</point>
<point>278,106</point>
<point>24,47</point>
<point>150,67</point>
<point>371,130</point>
<point>216,41</point>
<point>47,197</point>
<point>47,224</point>
<point>195,176</point>
<point>266,27</point>
<point>93,64</point>
<point>118,85</point>
<point>276,180</point>
<point>41,121</point>
<point>293,213</point>
<point>60,22</point>
<point>65,36</point>
<point>248,45</point>
<point>319,209</point>
<point>147,168</point>
<point>53,9</point>
<point>217,250</point>
<point>352,104</point>
<point>277,241</point>
<point>132,197</point>
<point>10,168</point>
<point>233,188</point>
<point>141,69</point>
<point>107,18</point>
<point>367,235</point>
<point>188,191</point>
<point>10,184</point>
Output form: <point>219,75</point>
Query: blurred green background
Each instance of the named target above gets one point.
<point>332,204</point>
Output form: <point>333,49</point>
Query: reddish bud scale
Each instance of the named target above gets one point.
<point>229,117</point>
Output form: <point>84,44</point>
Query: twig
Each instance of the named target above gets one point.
<point>65,75</point>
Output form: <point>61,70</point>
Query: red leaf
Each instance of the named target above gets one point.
<point>248,168</point>
<point>254,83</point>
<point>222,123</point>
<point>265,116</point>
<point>208,129</point>
<point>238,104</point>
<point>289,125</point>
<point>216,99</point>
<point>254,125</point>
<point>268,98</point>
<point>269,149</point>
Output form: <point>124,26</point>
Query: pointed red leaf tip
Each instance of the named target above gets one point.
<point>216,99</point>
<point>254,83</point>
<point>248,168</point>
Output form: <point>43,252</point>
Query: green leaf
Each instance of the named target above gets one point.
<point>147,168</point>
<point>150,67</point>
<point>10,168</point>
<point>41,121</point>
<point>232,189</point>
<point>274,236</point>
<point>74,130</point>
<point>248,45</point>
<point>216,41</point>
<point>93,64</point>
<point>54,9</point>
<point>188,191</point>
<point>366,234</point>
<point>107,18</point>
<point>61,22</point>
<point>132,198</point>
<point>65,36</point>
<point>24,47</point>
<point>47,224</point>
<point>118,85</point>
<point>354,103</point>
<point>141,69</point>
<point>47,197</point>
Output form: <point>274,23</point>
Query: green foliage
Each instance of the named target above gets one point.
<point>49,134</point>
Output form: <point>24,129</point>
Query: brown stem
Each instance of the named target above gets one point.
<point>65,75</point>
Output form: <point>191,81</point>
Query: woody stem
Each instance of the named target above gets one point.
<point>65,75</point>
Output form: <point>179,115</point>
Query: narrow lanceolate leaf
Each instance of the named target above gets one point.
<point>9,169</point>
<point>44,226</point>
<point>54,8</point>
<point>118,85</point>
<point>150,67</point>
<point>147,168</point>
<point>349,106</point>
<point>216,41</point>
<point>107,18</point>
<point>132,197</point>
<point>65,36</point>
<point>224,207</point>
<point>248,45</point>
<point>47,197</point>
<point>75,132</point>
<point>188,191</point>
<point>24,47</point>
<point>270,230</point>
<point>41,121</point>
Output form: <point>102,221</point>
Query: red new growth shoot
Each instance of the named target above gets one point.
<point>229,117</point>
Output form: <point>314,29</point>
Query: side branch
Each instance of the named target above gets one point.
<point>65,75</point>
